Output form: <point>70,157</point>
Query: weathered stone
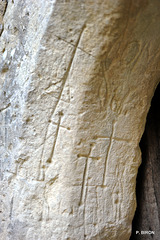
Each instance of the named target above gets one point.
<point>3,6</point>
<point>77,79</point>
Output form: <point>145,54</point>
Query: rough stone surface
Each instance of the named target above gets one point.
<point>3,6</point>
<point>76,82</point>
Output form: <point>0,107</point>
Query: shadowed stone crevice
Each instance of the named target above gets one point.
<point>147,216</point>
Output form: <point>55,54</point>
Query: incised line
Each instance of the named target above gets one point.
<point>107,155</point>
<point>11,208</point>
<point>114,138</point>
<point>74,46</point>
<point>2,109</point>
<point>62,88</point>
<point>55,140</point>
<point>84,180</point>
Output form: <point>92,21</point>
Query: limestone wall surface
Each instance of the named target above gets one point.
<point>76,81</point>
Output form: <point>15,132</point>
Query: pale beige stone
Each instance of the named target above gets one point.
<point>77,79</point>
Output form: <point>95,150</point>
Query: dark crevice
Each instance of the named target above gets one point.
<point>2,13</point>
<point>147,216</point>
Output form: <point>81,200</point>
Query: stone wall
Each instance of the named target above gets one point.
<point>76,82</point>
